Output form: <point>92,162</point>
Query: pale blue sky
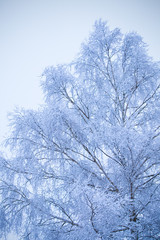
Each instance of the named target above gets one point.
<point>38,33</point>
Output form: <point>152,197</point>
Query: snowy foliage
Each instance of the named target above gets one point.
<point>87,164</point>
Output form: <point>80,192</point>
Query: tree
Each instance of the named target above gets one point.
<point>86,165</point>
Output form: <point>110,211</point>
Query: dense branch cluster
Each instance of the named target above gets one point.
<point>86,165</point>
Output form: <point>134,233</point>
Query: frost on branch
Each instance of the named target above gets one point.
<point>86,165</point>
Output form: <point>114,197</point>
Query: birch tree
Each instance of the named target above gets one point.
<point>86,165</point>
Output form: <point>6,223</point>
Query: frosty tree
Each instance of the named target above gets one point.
<point>86,165</point>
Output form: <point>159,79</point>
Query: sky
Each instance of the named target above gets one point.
<point>35,34</point>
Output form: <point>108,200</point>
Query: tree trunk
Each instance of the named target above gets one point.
<point>133,216</point>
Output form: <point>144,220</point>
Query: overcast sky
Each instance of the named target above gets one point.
<point>37,33</point>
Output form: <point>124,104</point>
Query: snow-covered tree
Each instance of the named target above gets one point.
<point>86,165</point>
